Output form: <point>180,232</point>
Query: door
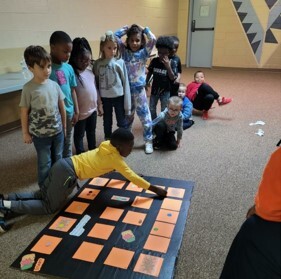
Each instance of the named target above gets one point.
<point>201,33</point>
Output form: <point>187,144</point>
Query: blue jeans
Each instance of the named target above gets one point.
<point>108,105</point>
<point>49,150</point>
<point>67,148</point>
<point>164,97</point>
<point>89,125</point>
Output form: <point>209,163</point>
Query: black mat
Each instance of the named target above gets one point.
<point>61,262</point>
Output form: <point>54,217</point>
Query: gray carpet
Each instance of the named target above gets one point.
<point>222,155</point>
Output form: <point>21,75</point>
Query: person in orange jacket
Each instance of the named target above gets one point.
<point>256,250</point>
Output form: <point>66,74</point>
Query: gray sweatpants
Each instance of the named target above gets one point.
<point>52,196</point>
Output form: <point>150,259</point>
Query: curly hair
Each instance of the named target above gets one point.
<point>133,30</point>
<point>165,42</point>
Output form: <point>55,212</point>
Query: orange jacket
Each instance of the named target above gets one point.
<point>268,197</point>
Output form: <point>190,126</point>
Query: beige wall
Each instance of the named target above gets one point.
<point>231,45</point>
<point>32,21</point>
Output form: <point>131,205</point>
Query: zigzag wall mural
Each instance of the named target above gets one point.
<point>257,33</point>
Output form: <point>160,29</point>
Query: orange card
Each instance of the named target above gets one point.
<point>119,258</point>
<point>133,187</point>
<point>112,213</point>
<point>46,244</point>
<point>168,216</point>
<point>171,204</point>
<point>101,231</point>
<point>162,229</point>
<point>88,252</point>
<point>63,224</point>
<point>115,183</point>
<point>77,207</point>
<point>134,218</point>
<point>99,181</point>
<point>142,202</point>
<point>150,192</point>
<point>149,265</point>
<point>157,243</point>
<point>89,194</point>
<point>175,192</point>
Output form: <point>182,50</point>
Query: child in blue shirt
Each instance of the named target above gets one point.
<point>187,107</point>
<point>63,74</point>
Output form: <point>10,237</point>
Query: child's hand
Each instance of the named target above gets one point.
<point>166,61</point>
<point>27,138</point>
<point>251,212</point>
<point>157,190</point>
<point>100,110</point>
<point>75,118</point>
<point>178,143</point>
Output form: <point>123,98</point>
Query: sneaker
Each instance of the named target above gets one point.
<point>148,149</point>
<point>224,101</point>
<point>3,226</point>
<point>205,115</point>
<point>3,210</point>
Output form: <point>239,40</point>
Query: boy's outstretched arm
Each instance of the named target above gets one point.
<point>157,190</point>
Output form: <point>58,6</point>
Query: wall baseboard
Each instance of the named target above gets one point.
<point>10,126</point>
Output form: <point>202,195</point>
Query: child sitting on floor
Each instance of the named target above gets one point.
<point>186,107</point>
<point>202,95</point>
<point>167,124</point>
<point>64,174</point>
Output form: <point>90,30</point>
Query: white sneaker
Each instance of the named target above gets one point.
<point>148,149</point>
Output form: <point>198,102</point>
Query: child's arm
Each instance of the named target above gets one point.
<point>151,39</point>
<point>187,109</point>
<point>157,190</point>
<point>179,130</point>
<point>119,34</point>
<point>129,174</point>
<point>100,108</point>
<point>76,108</point>
<point>63,115</point>
<point>27,138</point>
<point>126,89</point>
<point>149,75</point>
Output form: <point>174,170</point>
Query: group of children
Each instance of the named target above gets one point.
<point>69,89</point>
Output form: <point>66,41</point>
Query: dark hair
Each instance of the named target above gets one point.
<point>133,30</point>
<point>165,42</point>
<point>80,47</point>
<point>36,55</point>
<point>121,136</point>
<point>175,39</point>
<point>60,37</point>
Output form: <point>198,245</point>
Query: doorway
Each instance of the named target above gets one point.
<point>202,15</point>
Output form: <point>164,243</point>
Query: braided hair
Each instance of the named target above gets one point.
<point>80,47</point>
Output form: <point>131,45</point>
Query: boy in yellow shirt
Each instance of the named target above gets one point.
<point>64,174</point>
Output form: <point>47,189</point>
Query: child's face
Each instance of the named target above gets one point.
<point>61,52</point>
<point>175,49</point>
<point>174,110</point>
<point>109,49</point>
<point>134,42</point>
<point>125,149</point>
<point>181,92</point>
<point>163,53</point>
<point>199,78</point>
<point>41,72</point>
<point>83,61</point>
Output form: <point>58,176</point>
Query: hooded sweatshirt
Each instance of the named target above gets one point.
<point>268,197</point>
<point>104,159</point>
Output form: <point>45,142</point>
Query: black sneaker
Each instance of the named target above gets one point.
<point>3,226</point>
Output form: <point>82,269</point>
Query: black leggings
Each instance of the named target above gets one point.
<point>205,97</point>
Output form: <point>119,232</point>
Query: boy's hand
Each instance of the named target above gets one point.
<point>178,143</point>
<point>157,190</point>
<point>27,138</point>
<point>166,61</point>
<point>251,212</point>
